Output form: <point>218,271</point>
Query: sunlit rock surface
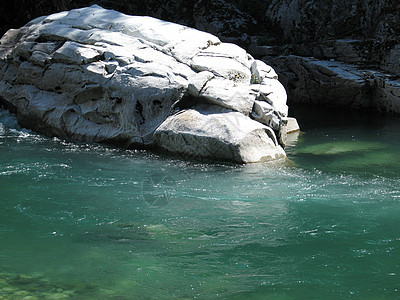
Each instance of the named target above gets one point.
<point>97,75</point>
<point>219,133</point>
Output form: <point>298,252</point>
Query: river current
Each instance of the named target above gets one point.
<point>93,222</point>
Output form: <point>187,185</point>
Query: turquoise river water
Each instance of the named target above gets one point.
<point>93,222</point>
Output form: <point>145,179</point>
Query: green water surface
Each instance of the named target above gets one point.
<point>93,222</point>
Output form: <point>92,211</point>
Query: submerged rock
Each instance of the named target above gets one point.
<point>97,75</point>
<point>336,148</point>
<point>21,286</point>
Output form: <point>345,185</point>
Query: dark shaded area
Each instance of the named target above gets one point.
<point>296,26</point>
<point>7,105</point>
<point>219,17</point>
<point>15,14</point>
<point>295,21</point>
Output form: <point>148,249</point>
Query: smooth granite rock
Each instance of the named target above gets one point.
<point>211,131</point>
<point>97,75</point>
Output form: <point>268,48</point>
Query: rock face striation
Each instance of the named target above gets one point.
<point>97,75</point>
<point>334,83</point>
<point>343,53</point>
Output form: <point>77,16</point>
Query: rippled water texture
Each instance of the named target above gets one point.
<point>92,222</point>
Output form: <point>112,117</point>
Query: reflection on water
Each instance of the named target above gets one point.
<point>80,221</point>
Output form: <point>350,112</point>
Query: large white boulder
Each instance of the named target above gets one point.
<point>205,132</point>
<point>97,75</point>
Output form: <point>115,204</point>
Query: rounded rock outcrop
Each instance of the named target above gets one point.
<point>97,75</point>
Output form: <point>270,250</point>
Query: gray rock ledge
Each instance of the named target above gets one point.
<point>334,83</point>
